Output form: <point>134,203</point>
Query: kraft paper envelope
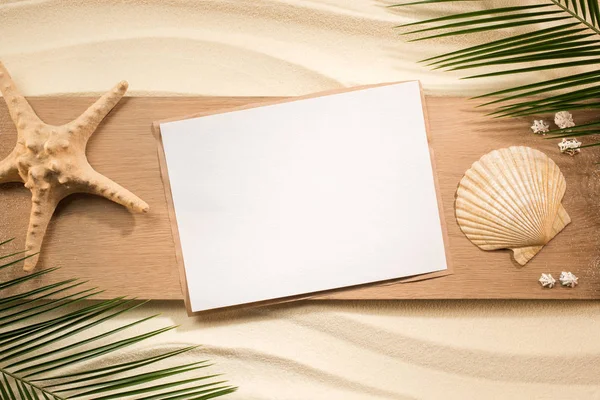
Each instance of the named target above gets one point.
<point>281,201</point>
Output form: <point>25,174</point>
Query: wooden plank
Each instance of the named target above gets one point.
<point>123,253</point>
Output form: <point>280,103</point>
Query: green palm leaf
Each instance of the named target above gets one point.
<point>571,39</point>
<point>45,331</point>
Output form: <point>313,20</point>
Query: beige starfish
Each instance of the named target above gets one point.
<point>51,162</point>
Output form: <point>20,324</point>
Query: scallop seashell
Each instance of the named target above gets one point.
<point>511,199</point>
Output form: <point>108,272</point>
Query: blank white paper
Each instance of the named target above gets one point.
<point>304,196</point>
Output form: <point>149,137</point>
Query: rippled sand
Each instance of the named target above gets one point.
<point>324,350</point>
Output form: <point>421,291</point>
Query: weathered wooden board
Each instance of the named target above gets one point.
<point>124,253</point>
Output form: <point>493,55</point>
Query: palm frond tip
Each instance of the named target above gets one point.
<point>562,34</point>
<point>51,346</point>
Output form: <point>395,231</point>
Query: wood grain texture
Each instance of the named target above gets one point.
<point>124,253</point>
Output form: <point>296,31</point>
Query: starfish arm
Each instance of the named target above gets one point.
<point>9,171</point>
<point>86,123</point>
<point>20,110</point>
<point>43,204</point>
<point>100,185</point>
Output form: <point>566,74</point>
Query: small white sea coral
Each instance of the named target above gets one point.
<point>570,146</point>
<point>564,119</point>
<point>547,281</point>
<point>568,279</point>
<point>540,127</point>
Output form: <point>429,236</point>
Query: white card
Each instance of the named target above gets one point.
<point>304,196</point>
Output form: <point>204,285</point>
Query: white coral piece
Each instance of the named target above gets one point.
<point>540,126</point>
<point>547,281</point>
<point>564,119</point>
<point>568,279</point>
<point>570,146</point>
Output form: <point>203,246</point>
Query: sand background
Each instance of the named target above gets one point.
<point>308,350</point>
